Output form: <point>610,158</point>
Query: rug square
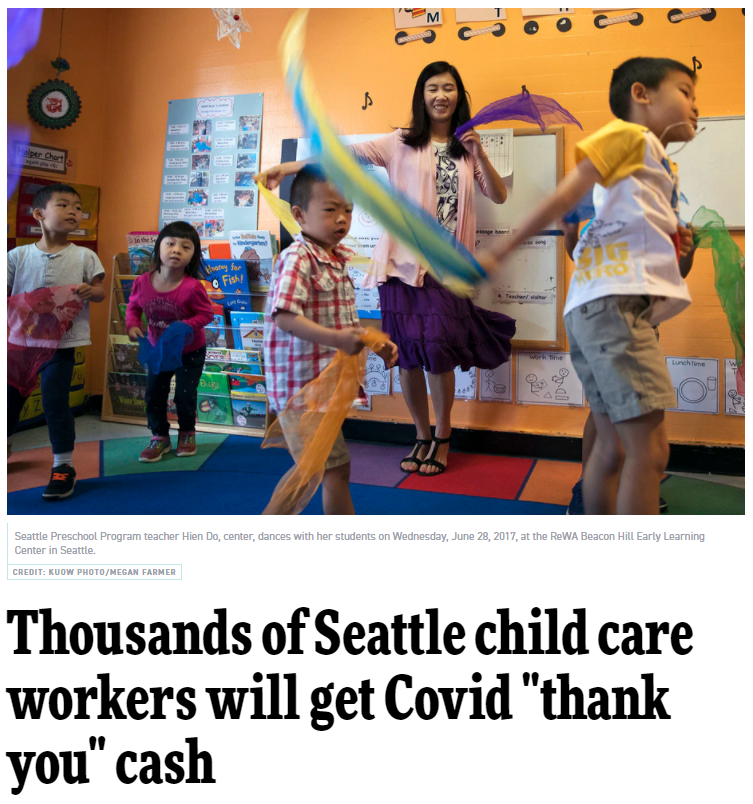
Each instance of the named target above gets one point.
<point>121,455</point>
<point>496,476</point>
<point>551,482</point>
<point>376,464</point>
<point>31,468</point>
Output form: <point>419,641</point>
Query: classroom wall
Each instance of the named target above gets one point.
<point>350,52</point>
<point>84,45</point>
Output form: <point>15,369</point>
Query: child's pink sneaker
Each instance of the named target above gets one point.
<point>186,444</point>
<point>158,446</point>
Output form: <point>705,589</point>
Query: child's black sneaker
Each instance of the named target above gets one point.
<point>61,483</point>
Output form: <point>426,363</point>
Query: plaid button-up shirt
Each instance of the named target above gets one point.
<point>309,282</point>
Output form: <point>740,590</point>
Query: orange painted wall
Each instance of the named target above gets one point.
<point>352,51</point>
<point>85,35</point>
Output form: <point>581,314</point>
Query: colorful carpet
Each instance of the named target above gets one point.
<point>231,474</point>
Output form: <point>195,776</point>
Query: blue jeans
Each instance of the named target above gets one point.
<point>57,374</point>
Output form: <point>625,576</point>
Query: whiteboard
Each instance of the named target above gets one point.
<point>531,288</point>
<point>712,170</point>
<point>535,276</point>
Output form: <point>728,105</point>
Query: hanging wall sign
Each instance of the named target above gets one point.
<point>417,17</point>
<point>40,157</point>
<point>54,104</point>
<point>480,14</point>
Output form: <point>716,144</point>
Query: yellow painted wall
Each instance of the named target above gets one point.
<point>352,51</point>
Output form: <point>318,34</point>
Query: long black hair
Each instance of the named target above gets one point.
<point>196,268</point>
<point>419,133</point>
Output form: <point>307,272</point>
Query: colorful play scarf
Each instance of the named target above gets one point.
<point>537,109</point>
<point>445,257</point>
<point>316,414</point>
<point>167,353</point>
<point>36,323</point>
<point>709,231</point>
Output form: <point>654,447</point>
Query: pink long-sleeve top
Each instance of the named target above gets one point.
<point>412,171</point>
<point>188,302</point>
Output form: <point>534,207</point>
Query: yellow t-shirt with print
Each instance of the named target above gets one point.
<point>628,248</point>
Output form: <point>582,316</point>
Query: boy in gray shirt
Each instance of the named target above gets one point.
<point>51,262</point>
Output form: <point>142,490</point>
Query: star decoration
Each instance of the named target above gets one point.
<point>231,24</point>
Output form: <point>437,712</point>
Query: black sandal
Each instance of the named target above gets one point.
<point>420,442</point>
<point>430,461</point>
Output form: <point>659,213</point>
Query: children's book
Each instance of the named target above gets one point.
<point>249,412</point>
<point>214,384</point>
<point>123,288</point>
<point>247,385</point>
<point>233,368</point>
<point>216,331</point>
<point>214,410</point>
<point>257,249</point>
<point>127,394</point>
<point>140,249</point>
<point>219,251</point>
<point>226,284</point>
<point>248,330</point>
<point>125,355</point>
<point>250,358</point>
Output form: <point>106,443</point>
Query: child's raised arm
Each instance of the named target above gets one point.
<point>569,191</point>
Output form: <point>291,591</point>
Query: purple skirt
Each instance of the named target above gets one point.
<point>436,330</point>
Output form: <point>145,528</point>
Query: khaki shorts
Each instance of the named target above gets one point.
<point>617,357</point>
<point>339,455</point>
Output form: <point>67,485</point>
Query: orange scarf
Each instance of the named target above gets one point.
<point>322,405</point>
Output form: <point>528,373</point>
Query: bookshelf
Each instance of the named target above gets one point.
<point>123,384</point>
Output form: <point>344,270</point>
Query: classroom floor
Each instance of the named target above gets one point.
<point>230,474</point>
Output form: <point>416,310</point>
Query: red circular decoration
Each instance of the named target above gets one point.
<point>236,18</point>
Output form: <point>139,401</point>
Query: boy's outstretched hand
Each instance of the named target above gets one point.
<point>686,240</point>
<point>388,353</point>
<point>349,340</point>
<point>492,261</point>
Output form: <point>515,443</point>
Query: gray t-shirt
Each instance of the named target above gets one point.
<point>30,268</point>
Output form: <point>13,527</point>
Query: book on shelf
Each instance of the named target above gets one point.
<point>257,249</point>
<point>251,358</point>
<point>248,330</point>
<point>226,284</point>
<point>249,412</point>
<point>140,250</point>
<point>125,355</point>
<point>123,287</point>
<point>127,394</point>
<point>249,386</point>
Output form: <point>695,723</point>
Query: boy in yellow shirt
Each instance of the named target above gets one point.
<point>627,278</point>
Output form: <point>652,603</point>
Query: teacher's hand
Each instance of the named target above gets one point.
<point>271,178</point>
<point>472,143</point>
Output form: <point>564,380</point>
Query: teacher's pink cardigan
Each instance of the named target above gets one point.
<point>412,172</point>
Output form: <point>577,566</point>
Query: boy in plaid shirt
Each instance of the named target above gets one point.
<point>311,313</point>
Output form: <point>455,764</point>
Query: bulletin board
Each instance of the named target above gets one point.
<point>211,155</point>
<point>532,288</point>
